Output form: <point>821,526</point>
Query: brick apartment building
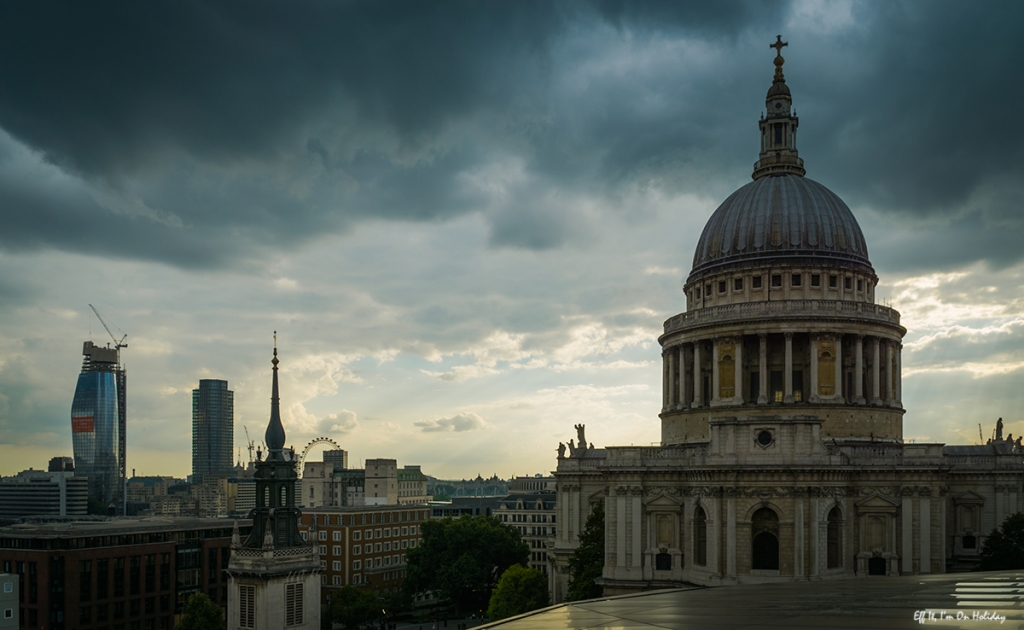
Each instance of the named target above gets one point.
<point>365,546</point>
<point>122,574</point>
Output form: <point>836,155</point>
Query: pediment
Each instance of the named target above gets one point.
<point>969,498</point>
<point>876,503</point>
<point>662,501</point>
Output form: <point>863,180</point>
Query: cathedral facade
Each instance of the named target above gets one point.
<point>782,454</point>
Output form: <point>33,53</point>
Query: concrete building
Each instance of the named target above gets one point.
<point>61,464</point>
<point>274,573</point>
<point>39,493</point>
<point>337,458</point>
<point>381,487</point>
<point>111,573</point>
<point>533,514</point>
<point>241,495</point>
<point>9,595</point>
<point>213,430</point>
<point>412,486</point>
<point>782,454</point>
<point>365,546</point>
<point>464,506</point>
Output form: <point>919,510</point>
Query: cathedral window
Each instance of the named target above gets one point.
<point>796,280</point>
<point>663,562</point>
<point>737,284</point>
<point>833,281</point>
<point>755,282</point>
<point>721,286</point>
<point>860,285</point>
<point>815,280</point>
<point>776,279</point>
<point>778,134</point>
<point>293,604</point>
<point>707,290</point>
<point>847,283</point>
<point>698,293</point>
<point>246,606</point>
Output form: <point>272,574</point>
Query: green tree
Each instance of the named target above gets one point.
<point>519,591</point>
<point>1004,548</point>
<point>201,614</point>
<point>587,560</point>
<point>462,559</point>
<point>352,607</point>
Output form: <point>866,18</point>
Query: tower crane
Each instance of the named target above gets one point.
<point>117,344</point>
<point>249,443</point>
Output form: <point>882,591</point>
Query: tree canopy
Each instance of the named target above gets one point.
<point>1003,550</point>
<point>519,591</point>
<point>352,607</point>
<point>462,559</point>
<point>201,613</point>
<point>587,560</point>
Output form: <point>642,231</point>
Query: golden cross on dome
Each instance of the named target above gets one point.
<point>778,45</point>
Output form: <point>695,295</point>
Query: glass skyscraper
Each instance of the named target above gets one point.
<point>213,429</point>
<point>98,424</point>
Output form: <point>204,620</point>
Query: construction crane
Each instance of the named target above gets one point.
<point>117,344</point>
<point>249,443</point>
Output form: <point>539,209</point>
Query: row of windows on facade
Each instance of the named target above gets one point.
<point>357,578</point>
<point>795,281</point>
<point>377,548</point>
<point>118,610</point>
<point>370,519</point>
<point>384,532</point>
<point>369,563</point>
<point>764,541</point>
<point>534,518</point>
<point>293,605</point>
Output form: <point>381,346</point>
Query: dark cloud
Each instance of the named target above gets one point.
<point>198,133</point>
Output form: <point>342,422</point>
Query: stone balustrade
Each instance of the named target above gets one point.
<point>817,309</point>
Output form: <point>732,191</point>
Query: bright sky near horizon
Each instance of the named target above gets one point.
<point>468,222</point>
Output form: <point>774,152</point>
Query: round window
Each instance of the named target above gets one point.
<point>764,438</point>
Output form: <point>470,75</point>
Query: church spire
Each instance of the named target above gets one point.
<point>778,127</point>
<point>274,436</point>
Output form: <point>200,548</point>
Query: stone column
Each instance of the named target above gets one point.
<point>813,397</point>
<point>738,392</point>
<point>889,393</point>
<point>858,378</point>
<point>798,539</point>
<point>788,398</point>
<point>876,392</point>
<point>714,372</point>
<point>673,395</point>
<point>762,397</point>
<point>899,376</point>
<point>907,548</point>
<point>681,403</point>
<point>666,378</point>
<point>839,368</point>
<point>924,505</point>
<point>698,387</point>
<point>730,537</point>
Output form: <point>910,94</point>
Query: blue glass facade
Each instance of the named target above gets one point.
<point>94,433</point>
<point>98,424</point>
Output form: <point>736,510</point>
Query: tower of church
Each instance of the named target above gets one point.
<point>782,454</point>
<point>274,575</point>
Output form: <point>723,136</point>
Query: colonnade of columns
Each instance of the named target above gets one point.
<point>691,381</point>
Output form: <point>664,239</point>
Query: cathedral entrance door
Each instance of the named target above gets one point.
<point>876,566</point>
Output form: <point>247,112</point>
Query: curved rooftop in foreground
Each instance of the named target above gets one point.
<point>875,602</point>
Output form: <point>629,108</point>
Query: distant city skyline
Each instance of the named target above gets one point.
<point>469,243</point>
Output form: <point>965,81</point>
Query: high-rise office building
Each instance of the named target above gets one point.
<point>98,420</point>
<point>213,429</point>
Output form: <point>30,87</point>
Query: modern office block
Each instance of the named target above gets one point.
<point>213,429</point>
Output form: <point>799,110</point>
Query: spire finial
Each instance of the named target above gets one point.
<point>274,436</point>
<point>274,361</point>
<point>779,59</point>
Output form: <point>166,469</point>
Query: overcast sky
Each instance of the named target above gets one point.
<point>468,221</point>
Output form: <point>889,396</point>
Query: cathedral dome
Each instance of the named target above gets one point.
<point>780,216</point>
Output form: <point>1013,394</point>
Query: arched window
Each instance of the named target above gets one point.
<point>700,536</point>
<point>764,533</point>
<point>834,546</point>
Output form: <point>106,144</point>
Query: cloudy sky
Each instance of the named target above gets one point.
<point>468,221</point>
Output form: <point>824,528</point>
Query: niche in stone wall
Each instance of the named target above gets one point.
<point>726,371</point>
<point>826,368</point>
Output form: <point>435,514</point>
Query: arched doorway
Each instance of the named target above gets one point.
<point>834,542</point>
<point>764,533</point>
<point>700,536</point>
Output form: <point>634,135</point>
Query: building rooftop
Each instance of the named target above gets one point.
<point>878,603</point>
<point>115,527</point>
